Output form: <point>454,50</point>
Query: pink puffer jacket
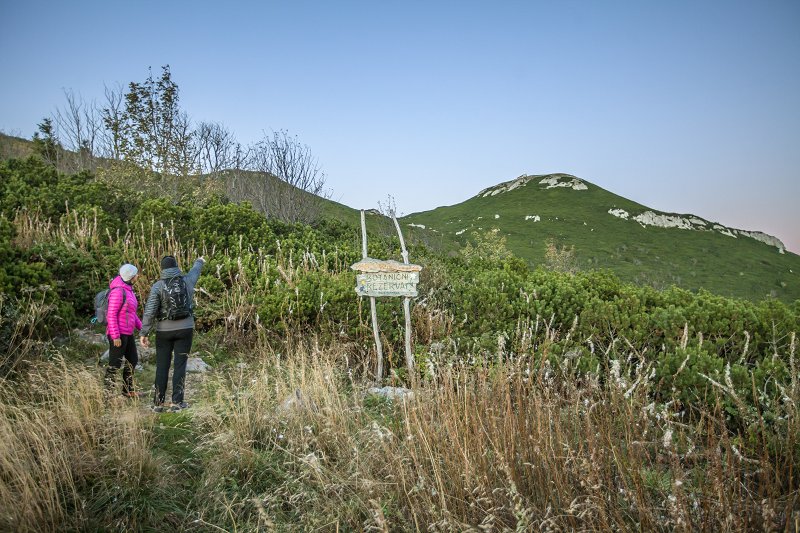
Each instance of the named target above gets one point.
<point>122,321</point>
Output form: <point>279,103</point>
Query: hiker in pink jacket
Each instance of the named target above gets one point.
<point>122,321</point>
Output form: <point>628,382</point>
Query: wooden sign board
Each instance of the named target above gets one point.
<point>387,284</point>
<point>386,278</point>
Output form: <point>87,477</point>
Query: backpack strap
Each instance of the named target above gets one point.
<point>124,294</point>
<point>124,298</point>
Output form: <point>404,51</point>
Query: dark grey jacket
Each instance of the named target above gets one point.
<point>152,308</point>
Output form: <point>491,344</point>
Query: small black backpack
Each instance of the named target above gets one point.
<point>175,302</point>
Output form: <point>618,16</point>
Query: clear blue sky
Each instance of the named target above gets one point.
<point>684,106</point>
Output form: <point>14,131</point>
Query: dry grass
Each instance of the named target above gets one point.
<point>487,449</point>
<point>296,441</point>
<point>62,450</point>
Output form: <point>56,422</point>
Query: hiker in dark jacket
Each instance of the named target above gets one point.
<point>170,307</point>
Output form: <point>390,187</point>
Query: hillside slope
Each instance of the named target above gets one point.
<point>610,232</point>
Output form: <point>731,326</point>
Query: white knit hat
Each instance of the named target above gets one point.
<point>127,271</point>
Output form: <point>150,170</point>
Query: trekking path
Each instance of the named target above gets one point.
<point>196,369</point>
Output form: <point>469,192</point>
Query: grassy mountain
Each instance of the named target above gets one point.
<point>14,147</point>
<point>607,231</point>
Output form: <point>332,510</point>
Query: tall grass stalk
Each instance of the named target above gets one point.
<point>496,447</point>
<point>69,460</point>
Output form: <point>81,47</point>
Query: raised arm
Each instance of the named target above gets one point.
<point>194,274</point>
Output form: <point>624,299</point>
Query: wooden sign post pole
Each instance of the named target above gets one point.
<point>406,304</point>
<point>378,347</point>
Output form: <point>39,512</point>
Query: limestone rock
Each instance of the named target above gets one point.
<point>196,364</point>
<point>145,354</point>
<point>392,393</point>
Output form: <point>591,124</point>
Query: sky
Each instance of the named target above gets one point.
<point>683,106</point>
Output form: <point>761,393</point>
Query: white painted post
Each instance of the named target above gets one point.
<point>406,304</point>
<point>378,347</point>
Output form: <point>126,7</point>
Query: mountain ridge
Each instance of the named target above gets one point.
<point>650,217</point>
<point>606,230</point>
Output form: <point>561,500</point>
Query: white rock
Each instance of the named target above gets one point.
<point>619,213</point>
<point>496,217</point>
<point>561,180</point>
<point>724,230</point>
<point>460,232</point>
<point>421,226</point>
<point>196,364</point>
<point>763,237</point>
<point>90,337</point>
<point>393,393</point>
<point>535,218</point>
<point>649,218</point>
<point>519,182</point>
<point>505,186</point>
<point>571,183</point>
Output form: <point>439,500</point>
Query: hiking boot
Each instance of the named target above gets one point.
<point>158,408</point>
<point>175,407</point>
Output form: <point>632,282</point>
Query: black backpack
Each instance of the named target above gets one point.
<point>175,299</point>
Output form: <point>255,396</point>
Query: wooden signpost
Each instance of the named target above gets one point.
<point>378,278</point>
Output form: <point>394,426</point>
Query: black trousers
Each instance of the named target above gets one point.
<point>176,343</point>
<point>126,353</point>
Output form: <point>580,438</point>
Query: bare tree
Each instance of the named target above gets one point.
<point>389,208</point>
<point>289,181</point>
<point>79,126</point>
<point>183,151</point>
<point>238,183</point>
<point>112,116</point>
<point>216,148</point>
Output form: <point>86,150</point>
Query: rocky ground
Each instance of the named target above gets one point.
<point>196,368</point>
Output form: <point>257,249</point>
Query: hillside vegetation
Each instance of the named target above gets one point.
<point>564,212</point>
<point>542,398</point>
